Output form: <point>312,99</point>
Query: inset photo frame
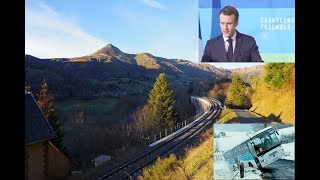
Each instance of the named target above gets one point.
<point>267,28</point>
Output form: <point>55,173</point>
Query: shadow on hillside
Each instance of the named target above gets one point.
<point>238,107</point>
<point>234,120</point>
<point>254,109</point>
<point>271,118</point>
<point>275,118</point>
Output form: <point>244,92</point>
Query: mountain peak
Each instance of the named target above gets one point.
<point>109,49</point>
<point>109,45</point>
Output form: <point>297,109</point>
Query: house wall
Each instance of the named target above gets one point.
<point>44,161</point>
<point>34,161</point>
<point>59,165</point>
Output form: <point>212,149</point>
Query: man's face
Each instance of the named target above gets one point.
<point>228,24</point>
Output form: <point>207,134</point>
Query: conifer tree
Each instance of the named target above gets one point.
<point>236,93</point>
<point>162,103</point>
<point>46,103</point>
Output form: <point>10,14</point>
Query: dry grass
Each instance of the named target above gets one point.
<point>275,105</point>
<point>228,116</point>
<point>196,164</point>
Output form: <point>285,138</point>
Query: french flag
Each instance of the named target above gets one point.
<point>200,43</point>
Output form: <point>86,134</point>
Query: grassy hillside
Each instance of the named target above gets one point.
<point>274,96</point>
<point>196,164</point>
<point>277,105</point>
<point>228,116</point>
<point>146,61</point>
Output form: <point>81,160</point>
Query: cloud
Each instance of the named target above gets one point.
<point>49,34</point>
<point>153,4</point>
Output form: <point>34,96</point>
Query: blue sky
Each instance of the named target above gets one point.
<point>72,28</point>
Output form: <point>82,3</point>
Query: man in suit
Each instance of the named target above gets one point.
<point>231,45</point>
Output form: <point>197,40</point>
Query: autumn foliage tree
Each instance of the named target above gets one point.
<point>46,103</point>
<point>279,74</point>
<point>236,95</point>
<point>219,91</point>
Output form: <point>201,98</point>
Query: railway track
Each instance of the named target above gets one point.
<point>129,169</point>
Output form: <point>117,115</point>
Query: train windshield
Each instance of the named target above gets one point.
<point>265,141</point>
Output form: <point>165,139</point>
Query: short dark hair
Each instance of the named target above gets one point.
<point>229,10</point>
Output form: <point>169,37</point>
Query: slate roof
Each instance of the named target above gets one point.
<point>37,127</point>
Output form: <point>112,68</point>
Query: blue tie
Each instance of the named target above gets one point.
<point>230,50</point>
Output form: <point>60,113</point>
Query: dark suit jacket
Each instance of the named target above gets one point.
<point>246,50</point>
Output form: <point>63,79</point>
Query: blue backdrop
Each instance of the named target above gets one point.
<point>270,22</point>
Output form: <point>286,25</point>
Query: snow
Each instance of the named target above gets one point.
<point>233,138</point>
<point>289,151</point>
<point>222,172</point>
<point>252,175</point>
<point>285,131</point>
<point>288,147</point>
